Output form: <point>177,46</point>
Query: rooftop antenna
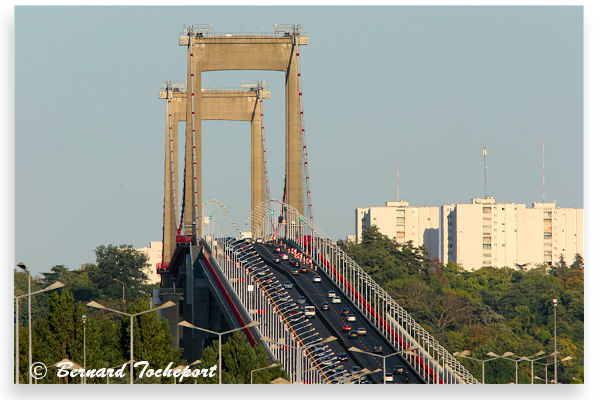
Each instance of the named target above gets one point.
<point>485,172</point>
<point>398,181</point>
<point>543,170</point>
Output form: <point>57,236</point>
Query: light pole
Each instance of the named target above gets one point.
<point>259,369</point>
<point>100,306</point>
<point>123,296</point>
<point>83,318</point>
<point>567,358</point>
<point>357,350</point>
<point>53,286</point>
<point>554,305</point>
<point>356,376</point>
<point>532,360</point>
<point>505,356</point>
<point>467,353</point>
<point>220,334</point>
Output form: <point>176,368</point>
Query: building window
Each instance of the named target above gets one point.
<point>487,246</point>
<point>487,210</point>
<point>399,220</point>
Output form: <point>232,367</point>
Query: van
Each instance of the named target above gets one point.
<point>309,311</point>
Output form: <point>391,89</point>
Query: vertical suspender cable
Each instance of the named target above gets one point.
<point>195,224</point>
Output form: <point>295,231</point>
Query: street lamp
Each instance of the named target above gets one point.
<point>83,318</point>
<point>505,356</point>
<point>123,296</point>
<point>567,358</point>
<point>532,360</point>
<point>356,376</point>
<point>220,334</point>
<point>467,353</point>
<point>100,306</point>
<point>357,350</point>
<point>258,369</point>
<point>53,286</point>
<point>554,305</point>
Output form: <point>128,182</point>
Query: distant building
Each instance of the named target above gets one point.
<point>397,220</point>
<point>486,233</point>
<point>154,253</point>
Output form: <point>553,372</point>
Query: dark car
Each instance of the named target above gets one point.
<point>342,356</point>
<point>288,285</point>
<point>304,270</point>
<point>398,370</point>
<point>277,260</point>
<point>345,311</point>
<point>352,334</point>
<point>301,300</point>
<point>325,306</point>
<point>355,369</point>
<point>378,349</point>
<point>295,271</point>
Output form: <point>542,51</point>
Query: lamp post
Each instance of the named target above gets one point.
<point>356,376</point>
<point>532,360</point>
<point>100,306</point>
<point>357,350</point>
<point>259,369</point>
<point>467,353</point>
<point>220,334</point>
<point>505,356</point>
<point>567,358</point>
<point>83,318</point>
<point>123,295</point>
<point>554,305</point>
<point>53,286</point>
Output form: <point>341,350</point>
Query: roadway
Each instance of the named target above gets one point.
<point>330,322</point>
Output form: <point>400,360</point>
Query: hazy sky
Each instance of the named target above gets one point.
<point>428,87</point>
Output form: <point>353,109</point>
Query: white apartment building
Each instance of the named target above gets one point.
<point>154,253</point>
<point>486,233</point>
<point>397,220</point>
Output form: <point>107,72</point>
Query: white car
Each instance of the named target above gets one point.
<point>284,257</point>
<point>331,293</point>
<point>336,299</point>
<point>351,318</point>
<point>317,278</point>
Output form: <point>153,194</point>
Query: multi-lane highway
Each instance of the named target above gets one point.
<point>334,320</point>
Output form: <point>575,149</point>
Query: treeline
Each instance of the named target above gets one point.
<point>117,280</point>
<point>487,310</point>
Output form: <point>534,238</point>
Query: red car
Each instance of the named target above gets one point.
<point>346,328</point>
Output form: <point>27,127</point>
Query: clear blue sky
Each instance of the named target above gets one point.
<point>426,86</point>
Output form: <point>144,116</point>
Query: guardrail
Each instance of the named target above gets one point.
<point>428,357</point>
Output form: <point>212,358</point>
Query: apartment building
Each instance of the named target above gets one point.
<point>486,233</point>
<point>397,220</point>
<point>154,253</point>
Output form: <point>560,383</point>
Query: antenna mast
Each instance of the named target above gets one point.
<point>543,170</point>
<point>485,172</point>
<point>398,181</point>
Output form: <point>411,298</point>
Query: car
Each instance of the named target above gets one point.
<point>398,370</point>
<point>389,377</point>
<point>325,306</point>
<point>342,356</point>
<point>301,300</point>
<point>378,349</point>
<point>346,327</point>
<point>351,318</point>
<point>276,260</point>
<point>355,369</point>
<point>259,240</point>
<point>345,311</point>
<point>309,311</point>
<point>336,300</point>
<point>285,257</point>
<point>352,334</point>
<point>295,271</point>
<point>316,278</point>
<point>331,293</point>
<point>361,331</point>
<point>304,270</point>
<point>278,249</point>
<point>288,285</point>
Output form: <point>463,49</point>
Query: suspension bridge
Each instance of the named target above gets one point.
<point>314,310</point>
